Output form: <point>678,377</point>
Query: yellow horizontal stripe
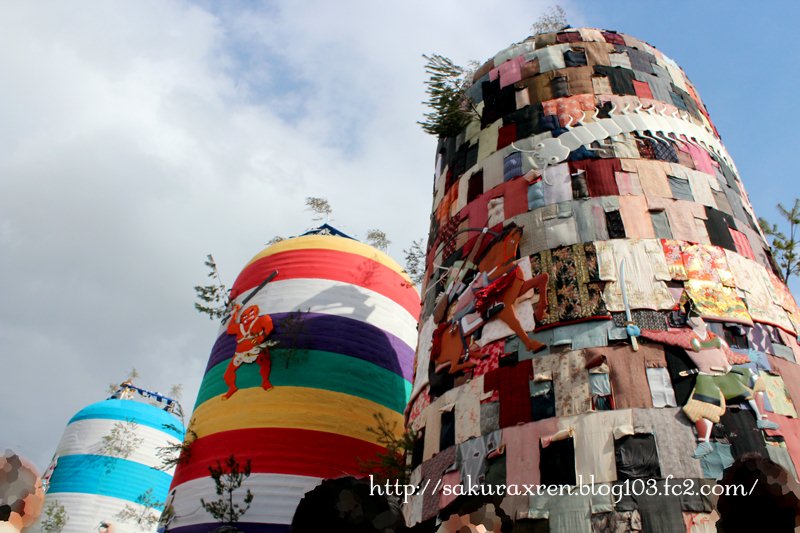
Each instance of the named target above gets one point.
<point>329,242</point>
<point>292,407</point>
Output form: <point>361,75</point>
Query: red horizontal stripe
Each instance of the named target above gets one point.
<point>319,263</point>
<point>298,452</point>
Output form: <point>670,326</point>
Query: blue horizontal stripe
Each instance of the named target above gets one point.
<point>141,413</point>
<point>247,527</point>
<point>108,476</point>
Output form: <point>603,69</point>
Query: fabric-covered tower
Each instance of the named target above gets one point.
<point>321,341</point>
<point>107,473</point>
<point>600,303</point>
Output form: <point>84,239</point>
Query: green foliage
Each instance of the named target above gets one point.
<point>228,478</point>
<point>415,262</point>
<point>214,297</point>
<point>54,518</point>
<point>121,441</point>
<point>451,109</point>
<point>320,207</point>
<point>145,516</point>
<point>785,248</point>
<point>554,19</point>
<point>392,464</point>
<point>174,454</point>
<point>378,239</point>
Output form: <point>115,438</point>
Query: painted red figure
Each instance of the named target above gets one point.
<point>251,332</point>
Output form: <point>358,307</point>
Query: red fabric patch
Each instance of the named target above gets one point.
<point>642,89</point>
<point>600,177</point>
<point>506,135</point>
<point>742,244</point>
<point>512,383</point>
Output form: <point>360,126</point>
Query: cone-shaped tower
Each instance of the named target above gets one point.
<point>320,342</point>
<point>108,472</point>
<point>590,191</point>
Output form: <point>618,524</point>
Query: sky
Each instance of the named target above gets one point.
<point>138,136</point>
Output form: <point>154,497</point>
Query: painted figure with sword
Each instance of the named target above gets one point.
<point>252,332</point>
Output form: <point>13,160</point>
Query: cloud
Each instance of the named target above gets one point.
<point>139,136</point>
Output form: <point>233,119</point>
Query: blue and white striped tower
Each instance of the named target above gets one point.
<point>106,467</point>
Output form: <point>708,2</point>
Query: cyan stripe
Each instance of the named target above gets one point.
<point>141,413</point>
<point>316,369</point>
<point>108,476</point>
<point>250,527</point>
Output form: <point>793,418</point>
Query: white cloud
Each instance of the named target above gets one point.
<point>139,136</point>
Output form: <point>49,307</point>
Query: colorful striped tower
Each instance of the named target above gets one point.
<point>338,321</point>
<point>591,192</point>
<point>107,469</point>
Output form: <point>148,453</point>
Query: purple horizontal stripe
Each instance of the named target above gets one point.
<point>332,334</point>
<point>222,350</point>
<point>245,527</point>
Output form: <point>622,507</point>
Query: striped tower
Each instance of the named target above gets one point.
<point>107,463</point>
<point>344,317</point>
<point>588,193</point>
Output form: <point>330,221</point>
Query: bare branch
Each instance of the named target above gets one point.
<point>144,514</point>
<point>320,207</point>
<point>554,19</point>
<point>378,239</point>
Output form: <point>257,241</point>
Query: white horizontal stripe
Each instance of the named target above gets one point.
<point>275,498</point>
<point>86,511</point>
<point>86,437</point>
<point>339,299</point>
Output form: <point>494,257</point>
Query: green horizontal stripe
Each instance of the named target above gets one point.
<point>318,370</point>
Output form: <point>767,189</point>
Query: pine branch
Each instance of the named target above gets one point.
<point>390,464</point>
<point>227,479</point>
<point>415,262</point>
<point>213,298</point>
<point>785,248</point>
<point>451,109</point>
